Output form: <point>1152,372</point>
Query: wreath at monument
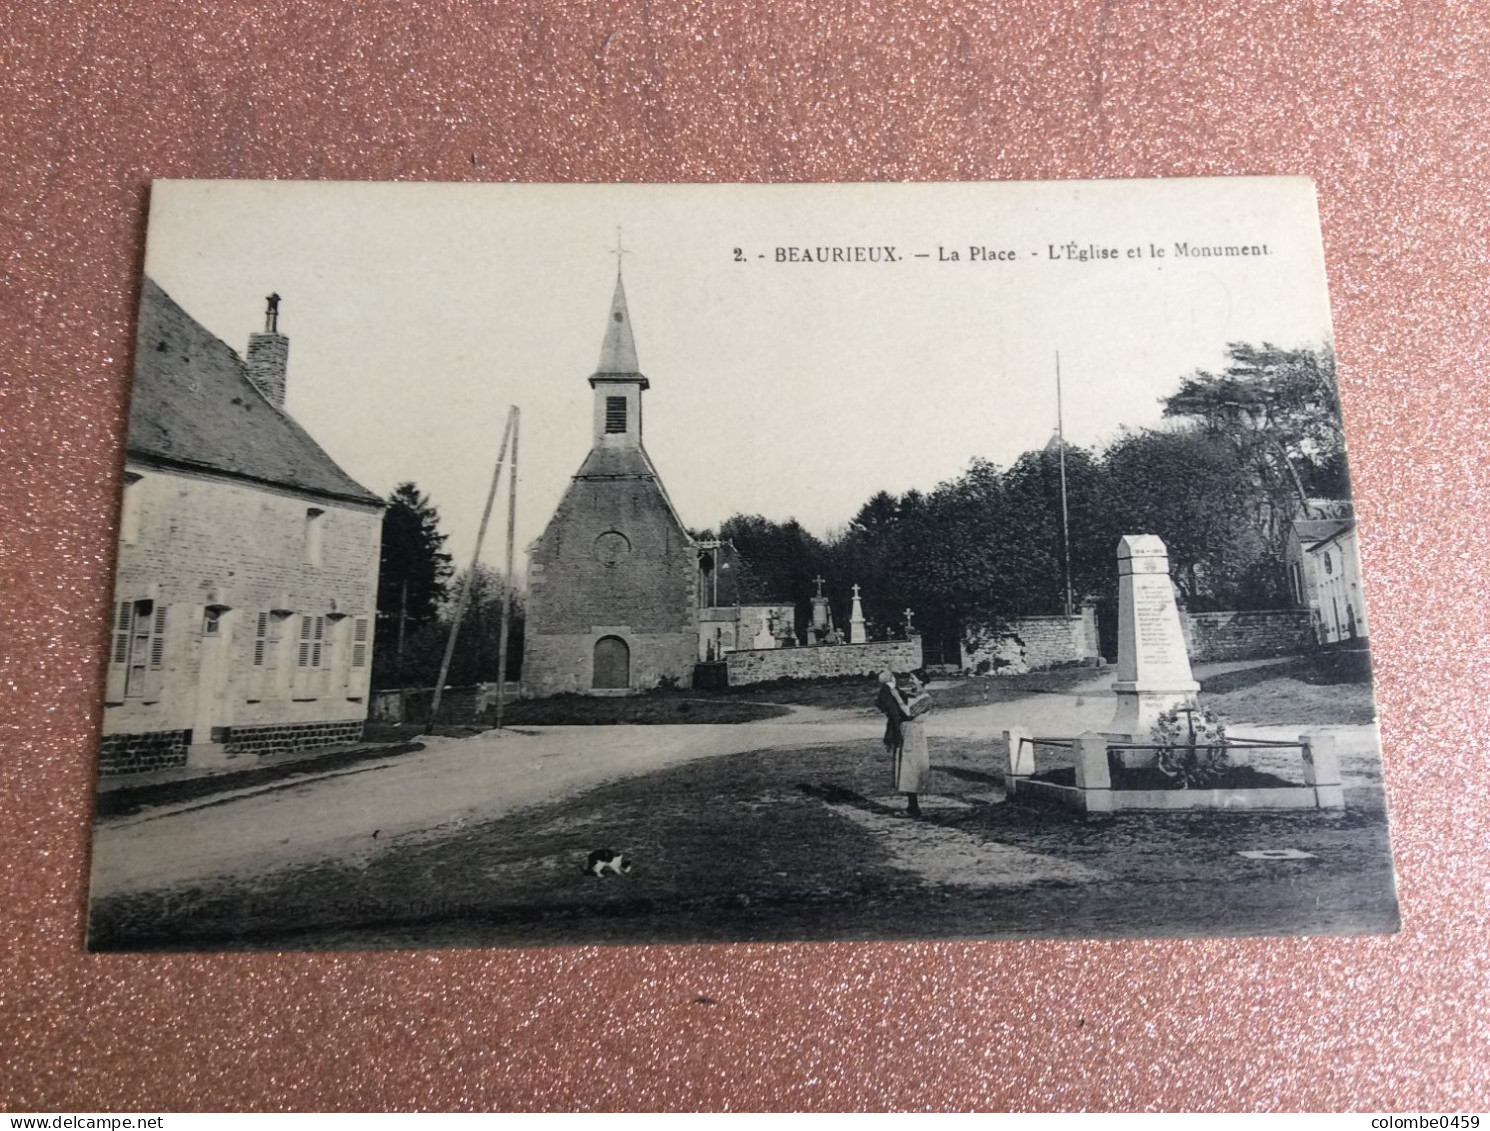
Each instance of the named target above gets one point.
<point>1191,742</point>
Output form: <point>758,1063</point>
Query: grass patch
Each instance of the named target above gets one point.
<point>1150,777</point>
<point>1322,688</point>
<point>1317,669</point>
<point>654,708</point>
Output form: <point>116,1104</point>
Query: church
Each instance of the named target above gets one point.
<point>613,579</point>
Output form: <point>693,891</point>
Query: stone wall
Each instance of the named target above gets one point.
<point>280,739</point>
<point>457,705</point>
<point>765,664</point>
<point>1037,643</point>
<point>1249,635</point>
<point>141,753</point>
<point>731,627</point>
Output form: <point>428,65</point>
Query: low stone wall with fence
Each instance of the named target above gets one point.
<point>457,704</point>
<point>765,664</point>
<point>1249,635</point>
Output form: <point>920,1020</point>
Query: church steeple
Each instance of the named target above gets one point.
<point>617,380</point>
<point>618,349</point>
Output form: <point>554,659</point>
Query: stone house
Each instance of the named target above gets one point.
<point>613,579</point>
<point>247,566</point>
<point>1324,571</point>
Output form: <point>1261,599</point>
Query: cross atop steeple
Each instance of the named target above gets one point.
<point>619,250</point>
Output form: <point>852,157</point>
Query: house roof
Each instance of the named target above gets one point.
<point>193,406</point>
<point>1312,531</point>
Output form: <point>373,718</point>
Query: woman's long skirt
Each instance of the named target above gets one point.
<point>912,761</point>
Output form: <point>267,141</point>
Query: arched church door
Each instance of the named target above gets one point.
<point>612,663</point>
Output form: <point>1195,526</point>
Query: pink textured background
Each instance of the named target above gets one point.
<point>1385,105</point>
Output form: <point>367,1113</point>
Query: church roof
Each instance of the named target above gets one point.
<point>616,463</point>
<point>618,349</point>
<point>194,406</point>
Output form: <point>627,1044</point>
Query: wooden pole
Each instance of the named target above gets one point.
<point>1060,432</point>
<point>507,577</point>
<point>465,588</point>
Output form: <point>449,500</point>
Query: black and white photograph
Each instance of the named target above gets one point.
<point>516,565</point>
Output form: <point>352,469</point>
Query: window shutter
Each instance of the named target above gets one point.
<point>318,645</point>
<point>303,660</point>
<point>260,649</point>
<point>154,684</point>
<point>122,625</point>
<point>158,638</point>
<point>359,643</point>
<point>119,652</point>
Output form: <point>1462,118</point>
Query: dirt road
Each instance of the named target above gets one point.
<point>374,806</point>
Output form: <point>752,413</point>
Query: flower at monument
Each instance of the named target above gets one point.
<point>1191,743</point>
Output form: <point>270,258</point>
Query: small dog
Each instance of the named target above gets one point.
<point>603,859</point>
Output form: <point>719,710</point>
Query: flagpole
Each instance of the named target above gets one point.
<point>1060,432</point>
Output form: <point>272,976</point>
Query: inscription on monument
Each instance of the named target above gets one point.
<point>1153,607</point>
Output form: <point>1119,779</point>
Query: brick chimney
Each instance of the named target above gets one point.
<point>268,354</point>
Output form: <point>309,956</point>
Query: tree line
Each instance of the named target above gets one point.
<point>417,591</point>
<point>1243,452</point>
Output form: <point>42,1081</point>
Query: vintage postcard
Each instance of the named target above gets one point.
<point>560,564</point>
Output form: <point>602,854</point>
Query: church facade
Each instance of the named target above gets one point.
<point>247,571</point>
<point>613,579</point>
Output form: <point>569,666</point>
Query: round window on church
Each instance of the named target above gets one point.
<point>611,547</point>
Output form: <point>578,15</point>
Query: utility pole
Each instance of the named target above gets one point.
<point>1060,433</point>
<point>515,422</point>
<point>465,589</point>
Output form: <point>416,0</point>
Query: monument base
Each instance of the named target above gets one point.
<point>1139,706</point>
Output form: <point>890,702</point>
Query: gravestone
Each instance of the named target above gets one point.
<point>1153,668</point>
<point>820,615</point>
<point>764,638</point>
<point>857,633</point>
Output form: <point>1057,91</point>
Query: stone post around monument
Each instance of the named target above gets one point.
<point>1153,669</point>
<point>1322,770</point>
<point>856,631</point>
<point>1019,758</point>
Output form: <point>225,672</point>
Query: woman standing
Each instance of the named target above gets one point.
<point>905,737</point>
<point>913,767</point>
